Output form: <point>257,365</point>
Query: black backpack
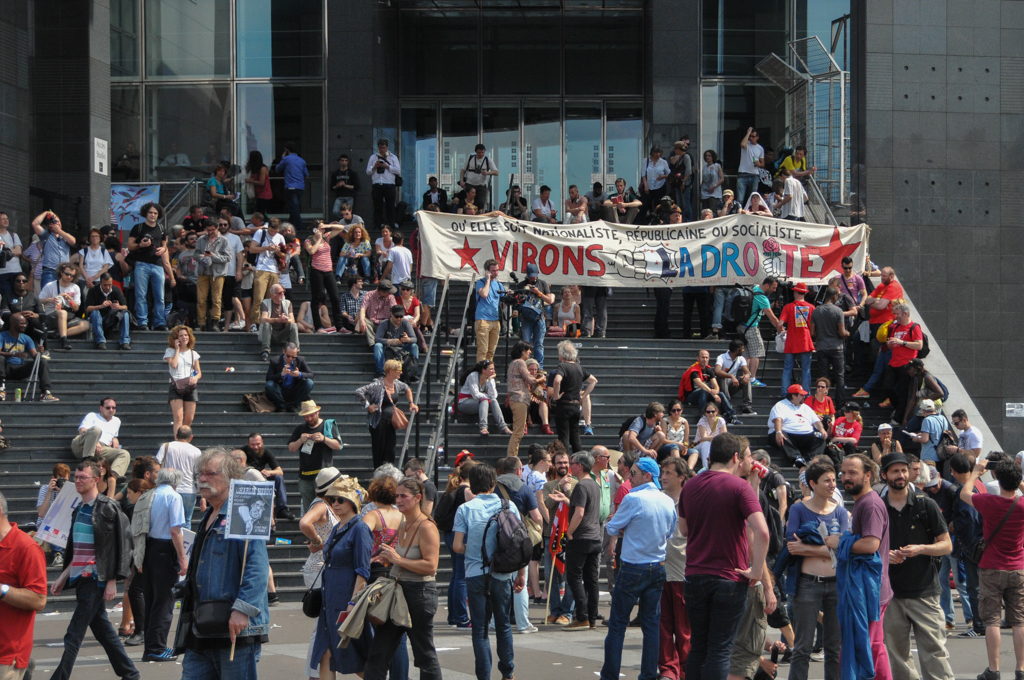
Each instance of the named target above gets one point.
<point>776,529</point>
<point>444,512</point>
<point>742,306</point>
<point>515,547</point>
<point>410,364</point>
<point>625,425</point>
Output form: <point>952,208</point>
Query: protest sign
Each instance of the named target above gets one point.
<point>55,528</point>
<point>740,249</point>
<point>250,506</point>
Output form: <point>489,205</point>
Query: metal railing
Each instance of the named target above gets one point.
<point>818,207</point>
<point>177,208</point>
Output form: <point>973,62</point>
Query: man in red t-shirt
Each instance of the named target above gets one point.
<point>796,318</point>
<point>22,594</point>
<point>1001,569</point>
<point>905,339</point>
<point>716,508</point>
<point>882,297</point>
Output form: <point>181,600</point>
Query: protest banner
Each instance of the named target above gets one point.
<point>55,528</point>
<point>740,249</point>
<point>250,505</point>
<point>126,200</point>
<point>189,539</point>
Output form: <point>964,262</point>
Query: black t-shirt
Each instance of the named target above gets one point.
<point>588,495</point>
<point>573,377</point>
<point>914,525</point>
<point>348,177</point>
<point>429,491</point>
<point>96,297</point>
<point>321,455</point>
<point>29,302</point>
<point>264,461</point>
<point>156,235</point>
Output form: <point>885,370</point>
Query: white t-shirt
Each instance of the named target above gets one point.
<point>185,361</point>
<point>54,289</point>
<point>971,438</point>
<point>235,246</point>
<point>181,456</point>
<point>795,419</point>
<point>652,170</point>
<point>753,152</point>
<point>544,207</point>
<point>266,262</point>
<point>730,365</point>
<point>93,260</point>
<point>12,241</point>
<point>384,249</point>
<point>109,428</point>
<point>400,258</point>
<point>794,208</point>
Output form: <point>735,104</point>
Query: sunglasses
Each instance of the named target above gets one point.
<point>333,500</point>
<point>676,410</point>
<point>847,269</point>
<point>710,411</point>
<point>821,387</point>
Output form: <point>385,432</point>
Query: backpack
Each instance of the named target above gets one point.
<point>947,438</point>
<point>776,530</point>
<point>945,390</point>
<point>410,364</point>
<point>444,512</point>
<point>625,425</point>
<point>784,153</point>
<point>742,305</point>
<point>515,548</point>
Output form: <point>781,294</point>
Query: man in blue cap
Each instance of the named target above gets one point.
<point>532,314</point>
<point>646,519</point>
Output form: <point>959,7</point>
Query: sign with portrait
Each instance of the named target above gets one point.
<point>250,508</point>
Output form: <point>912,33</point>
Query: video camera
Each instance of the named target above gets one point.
<point>514,298</point>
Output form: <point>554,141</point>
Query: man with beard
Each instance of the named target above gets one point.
<point>870,521</point>
<point>918,533</point>
<point>554,492</point>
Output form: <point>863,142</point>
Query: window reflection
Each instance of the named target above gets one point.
<point>603,53</point>
<point>458,139</point>
<point>738,34</point>
<point>418,152</point>
<point>624,139</point>
<point>125,140</point>
<point>186,38</point>
<point>439,53</point>
<point>188,130</point>
<point>727,110</point>
<point>521,51</point>
<point>583,147</point>
<point>501,137</point>
<point>280,38</point>
<point>124,39</point>
<point>542,153</point>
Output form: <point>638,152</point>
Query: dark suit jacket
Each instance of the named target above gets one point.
<point>442,200</point>
<point>277,365</point>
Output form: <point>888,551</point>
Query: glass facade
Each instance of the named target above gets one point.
<point>728,109</point>
<point>738,34</point>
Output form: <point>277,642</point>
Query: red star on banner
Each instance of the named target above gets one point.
<point>466,254</point>
<point>834,252</point>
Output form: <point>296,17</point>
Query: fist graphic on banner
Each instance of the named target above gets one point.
<point>772,264</point>
<point>647,262</point>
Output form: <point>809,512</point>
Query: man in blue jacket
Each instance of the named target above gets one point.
<point>967,528</point>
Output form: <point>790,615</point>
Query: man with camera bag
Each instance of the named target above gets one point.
<point>475,172</point>
<point>532,316</point>
<point>385,171</point>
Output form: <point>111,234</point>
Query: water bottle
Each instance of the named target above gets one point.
<point>834,527</point>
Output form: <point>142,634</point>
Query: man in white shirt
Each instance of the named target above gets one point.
<point>267,243</point>
<point>794,428</point>
<point>97,436</point>
<point>971,438</point>
<point>734,375</point>
<point>399,267</point>
<point>60,297</point>
<point>234,317</point>
<point>793,198</point>
<point>181,455</point>
<point>175,158</point>
<point>652,181</point>
<point>751,161</point>
<point>543,209</point>
<point>475,173</point>
<point>383,168</point>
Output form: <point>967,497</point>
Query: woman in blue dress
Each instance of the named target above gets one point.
<point>346,569</point>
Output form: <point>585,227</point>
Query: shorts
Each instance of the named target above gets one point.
<point>750,637</point>
<point>755,346</point>
<point>172,394</point>
<point>538,551</point>
<point>996,588</point>
<point>228,292</point>
<point>428,291</point>
<point>244,293</point>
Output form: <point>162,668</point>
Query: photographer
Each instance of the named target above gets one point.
<point>532,313</point>
<point>488,324</point>
<point>384,170</point>
<point>214,254</point>
<point>475,172</point>
<point>55,244</point>
<point>148,245</point>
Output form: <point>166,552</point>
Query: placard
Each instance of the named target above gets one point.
<point>250,508</point>
<point>55,528</point>
<point>1014,410</point>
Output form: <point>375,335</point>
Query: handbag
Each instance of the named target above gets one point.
<point>182,386</point>
<point>979,549</point>
<point>211,619</point>
<point>399,421</point>
<point>313,598</point>
<point>389,603</point>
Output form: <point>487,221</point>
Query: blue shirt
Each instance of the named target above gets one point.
<point>9,343</point>
<point>933,425</point>
<point>471,520</point>
<point>294,170</point>
<point>56,250</point>
<point>487,308</point>
<point>646,518</point>
<point>166,512</point>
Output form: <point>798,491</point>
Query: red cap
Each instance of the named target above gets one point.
<point>800,288</point>
<point>796,389</point>
<point>463,455</point>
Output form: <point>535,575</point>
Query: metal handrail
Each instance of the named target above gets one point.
<point>446,389</point>
<point>424,377</point>
<point>818,204</point>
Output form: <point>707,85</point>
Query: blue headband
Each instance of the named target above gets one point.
<point>650,466</point>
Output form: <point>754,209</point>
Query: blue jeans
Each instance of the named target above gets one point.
<point>558,605</point>
<point>946,594</point>
<point>188,502</point>
<point>340,201</point>
<point>364,266</point>
<point>90,612</point>
<point>378,352</point>
<point>289,396</point>
<point>746,184</point>
<point>682,199</point>
<point>972,586</point>
<point>719,307</point>
<point>294,207</point>
<point>876,377</point>
<point>96,321</point>
<point>46,275</point>
<point>715,606</point>
<point>521,601</point>
<point>787,371</point>
<point>213,664</point>
<point>533,333</point>
<point>457,611</point>
<point>487,597</point>
<point>635,583</point>
<point>701,399</point>
<point>147,275</point>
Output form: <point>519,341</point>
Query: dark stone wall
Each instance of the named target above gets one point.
<point>15,111</point>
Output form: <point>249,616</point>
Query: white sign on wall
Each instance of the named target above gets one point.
<point>1014,410</point>
<point>100,156</point>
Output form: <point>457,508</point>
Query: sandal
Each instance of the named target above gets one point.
<point>507,431</point>
<point>125,633</point>
<point>484,432</point>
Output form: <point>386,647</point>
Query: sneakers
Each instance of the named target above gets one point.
<point>580,625</point>
<point>264,355</point>
<point>344,331</point>
<point>135,640</point>
<point>988,675</point>
<point>461,626</point>
<point>527,631</point>
<point>58,560</point>
<point>747,411</point>
<point>818,656</point>
<point>971,633</point>
<point>558,620</point>
<point>885,404</point>
<point>589,429</point>
<point>861,394</point>
<point>735,421</point>
<point>757,383</point>
<point>272,599</point>
<point>65,344</point>
<point>166,655</point>
<point>950,625</point>
<point>48,397</point>
<point>253,328</point>
<point>237,326</point>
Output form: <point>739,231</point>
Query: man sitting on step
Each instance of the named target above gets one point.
<point>97,436</point>
<point>277,321</point>
<point>17,357</point>
<point>289,379</point>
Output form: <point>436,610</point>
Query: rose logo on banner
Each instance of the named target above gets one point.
<point>772,262</point>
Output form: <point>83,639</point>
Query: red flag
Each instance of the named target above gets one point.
<point>557,543</point>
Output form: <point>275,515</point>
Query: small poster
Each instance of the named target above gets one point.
<point>1014,410</point>
<point>55,528</point>
<point>100,156</point>
<point>250,508</point>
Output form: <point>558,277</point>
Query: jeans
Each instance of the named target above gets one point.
<point>147,275</point>
<point>566,419</point>
<point>521,604</point>
<point>213,664</point>
<point>363,266</point>
<point>559,603</point>
<point>595,308</point>
<point>458,613</point>
<point>324,291</point>
<point>294,197</point>
<point>188,502</point>
<point>662,312</point>
<point>91,612</point>
<point>284,397</point>
<point>831,364</point>
<point>876,376</point>
<point>491,596</point>
<point>701,300</point>
<point>746,184</point>
<point>482,407</point>
<point>46,275</point>
<point>635,583</point>
<point>972,587</point>
<point>428,291</point>
<point>383,196</point>
<point>421,596</point>
<point>96,321</point>
<point>682,199</point>
<point>787,371</point>
<point>719,308</point>
<point>533,333</point>
<point>701,399</point>
<point>280,493</point>
<point>340,201</point>
<point>946,594</point>
<point>582,572</point>
<point>161,570</point>
<point>813,597</point>
<point>715,606</point>
<point>378,353</point>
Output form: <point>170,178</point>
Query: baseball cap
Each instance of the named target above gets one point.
<point>893,458</point>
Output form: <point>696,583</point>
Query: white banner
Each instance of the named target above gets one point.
<point>56,526</point>
<point>250,508</point>
<point>737,249</point>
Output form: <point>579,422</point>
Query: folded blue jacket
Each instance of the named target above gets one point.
<point>790,564</point>
<point>858,585</point>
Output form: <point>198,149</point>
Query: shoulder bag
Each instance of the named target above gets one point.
<point>979,549</point>
<point>389,602</point>
<point>182,385</point>
<point>313,598</point>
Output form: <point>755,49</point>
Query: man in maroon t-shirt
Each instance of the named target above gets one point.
<point>715,510</point>
<point>1001,569</point>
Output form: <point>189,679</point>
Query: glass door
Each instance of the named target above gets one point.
<point>542,153</point>
<point>459,135</point>
<point>501,137</point>
<point>624,140</point>
<point>419,152</point>
<point>582,147</point>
